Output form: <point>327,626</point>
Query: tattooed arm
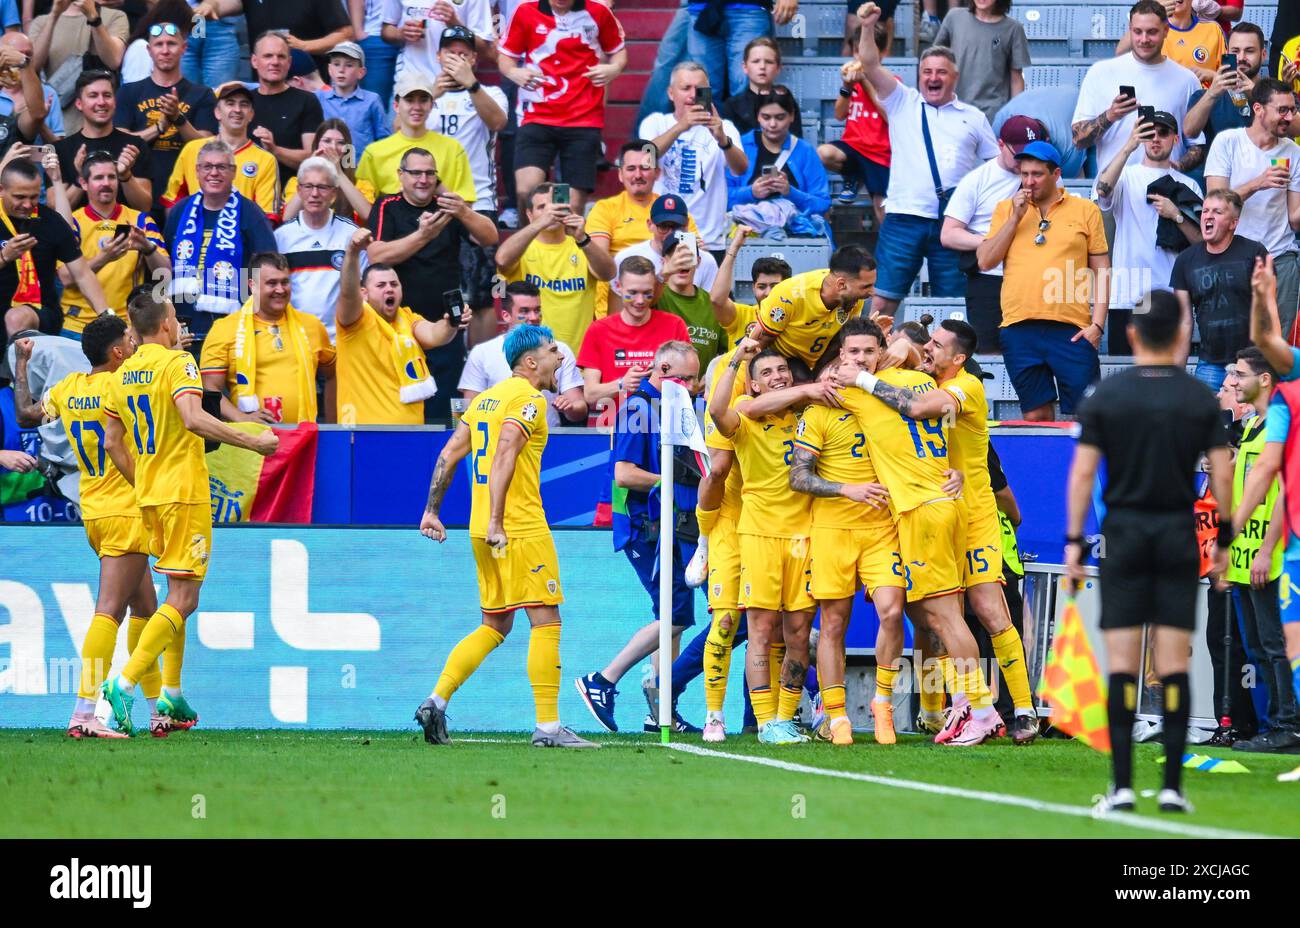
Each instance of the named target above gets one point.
<point>443,470</point>
<point>930,405</point>
<point>27,408</point>
<point>804,479</point>
<point>1191,160</point>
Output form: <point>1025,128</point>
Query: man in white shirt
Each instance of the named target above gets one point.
<point>696,147</point>
<point>314,242</point>
<point>1138,263</point>
<point>487,367</point>
<point>667,215</point>
<point>418,25</point>
<point>969,215</point>
<point>472,113</point>
<point>1104,117</point>
<point>961,139</point>
<point>1262,164</point>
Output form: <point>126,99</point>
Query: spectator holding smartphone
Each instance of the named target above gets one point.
<point>1225,104</point>
<point>782,166</point>
<point>682,297</point>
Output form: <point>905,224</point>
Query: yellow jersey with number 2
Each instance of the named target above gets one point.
<point>517,402</point>
<point>765,451</point>
<point>840,445</point>
<point>910,455</point>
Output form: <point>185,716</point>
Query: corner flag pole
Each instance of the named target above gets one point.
<point>666,543</point>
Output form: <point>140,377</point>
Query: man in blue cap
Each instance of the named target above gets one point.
<point>1055,289</point>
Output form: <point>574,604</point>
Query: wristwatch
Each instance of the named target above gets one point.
<point>1179,219</point>
<point>728,143</point>
<point>95,23</point>
<point>475,87</point>
<point>584,243</point>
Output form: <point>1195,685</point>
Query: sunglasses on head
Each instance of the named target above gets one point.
<point>158,29</point>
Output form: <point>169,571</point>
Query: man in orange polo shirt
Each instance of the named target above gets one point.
<point>1056,285</point>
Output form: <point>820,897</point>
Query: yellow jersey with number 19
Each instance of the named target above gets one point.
<point>515,401</point>
<point>169,462</point>
<point>799,323</point>
<point>969,442</point>
<point>840,445</point>
<point>765,450</point>
<point>910,455</point>
<point>78,401</point>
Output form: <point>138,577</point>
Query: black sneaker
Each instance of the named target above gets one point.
<point>434,722</point>
<point>1268,742</point>
<point>1024,729</point>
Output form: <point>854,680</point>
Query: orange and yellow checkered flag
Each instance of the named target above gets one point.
<point>1072,683</point>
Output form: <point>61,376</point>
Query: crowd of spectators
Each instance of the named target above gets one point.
<point>468,139</point>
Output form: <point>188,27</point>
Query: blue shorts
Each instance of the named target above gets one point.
<point>874,176</point>
<point>644,558</point>
<point>1042,361</point>
<point>1288,590</point>
<point>905,241</point>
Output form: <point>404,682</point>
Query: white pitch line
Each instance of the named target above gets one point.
<point>1036,805</point>
<point>604,744</point>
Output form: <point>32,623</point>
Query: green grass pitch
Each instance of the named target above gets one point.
<point>391,784</point>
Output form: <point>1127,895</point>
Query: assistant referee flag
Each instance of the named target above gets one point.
<point>1072,683</point>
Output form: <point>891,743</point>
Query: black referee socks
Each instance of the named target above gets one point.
<point>1121,708</point>
<point>1177,713</point>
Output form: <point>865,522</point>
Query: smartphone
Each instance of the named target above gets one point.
<point>689,240</point>
<point>1146,114</point>
<point>704,97</point>
<point>1229,61</point>
<point>1126,90</point>
<point>454,302</point>
<point>560,194</point>
<point>768,170</point>
<point>121,229</point>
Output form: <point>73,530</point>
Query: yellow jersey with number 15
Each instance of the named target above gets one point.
<point>797,319</point>
<point>515,401</point>
<point>169,462</point>
<point>910,455</point>
<point>765,451</point>
<point>969,442</point>
<point>78,401</point>
<point>840,445</point>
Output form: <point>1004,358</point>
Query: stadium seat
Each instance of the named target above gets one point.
<point>802,254</point>
<point>1052,29</point>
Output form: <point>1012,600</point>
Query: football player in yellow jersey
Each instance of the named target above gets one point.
<point>801,315</point>
<point>155,406</point>
<point>112,521</point>
<point>911,457</point>
<point>962,402</point>
<point>854,543</point>
<point>505,431</point>
<point>774,526</point>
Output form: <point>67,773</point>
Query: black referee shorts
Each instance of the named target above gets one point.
<point>1150,569</point>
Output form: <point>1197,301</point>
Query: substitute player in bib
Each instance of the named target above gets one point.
<point>505,430</point>
<point>911,456</point>
<point>774,527</point>
<point>854,542</point>
<point>961,401</point>
<point>155,404</point>
<point>113,528</point>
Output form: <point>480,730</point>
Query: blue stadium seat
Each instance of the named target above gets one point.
<point>1052,29</point>
<point>802,254</point>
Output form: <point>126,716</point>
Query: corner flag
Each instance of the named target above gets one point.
<point>1072,683</point>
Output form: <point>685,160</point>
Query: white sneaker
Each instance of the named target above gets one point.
<point>1117,800</point>
<point>1170,800</point>
<point>715,731</point>
<point>697,571</point>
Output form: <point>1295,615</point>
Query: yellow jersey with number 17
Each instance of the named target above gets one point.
<point>840,445</point>
<point>969,442</point>
<point>765,451</point>
<point>78,401</point>
<point>910,455</point>
<point>517,402</point>
<point>799,323</point>
<point>169,462</point>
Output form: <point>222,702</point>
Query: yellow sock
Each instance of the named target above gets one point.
<point>949,674</point>
<point>787,703</point>
<point>717,659</point>
<point>763,702</point>
<point>173,659</point>
<point>163,625</point>
<point>971,682</point>
<point>706,518</point>
<point>885,676</point>
<point>544,671</point>
<point>931,687</point>
<point>833,701</point>
<point>775,660</point>
<point>151,682</point>
<point>97,654</point>
<point>1010,653</point>
<point>465,658</point>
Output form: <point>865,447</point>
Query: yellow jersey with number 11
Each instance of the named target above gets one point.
<point>517,402</point>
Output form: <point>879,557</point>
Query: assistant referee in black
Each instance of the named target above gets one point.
<point>1151,423</point>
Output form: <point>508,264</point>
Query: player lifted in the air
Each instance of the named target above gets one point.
<point>962,403</point>
<point>505,430</point>
<point>155,406</point>
<point>113,528</point>
<point>911,457</point>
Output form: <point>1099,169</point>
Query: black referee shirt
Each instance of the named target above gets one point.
<point>1152,424</point>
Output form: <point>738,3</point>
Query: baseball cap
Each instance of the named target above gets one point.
<point>1041,151</point>
<point>668,208</point>
<point>1019,131</point>
<point>231,88</point>
<point>1162,118</point>
<point>300,63</point>
<point>348,49</point>
<point>456,34</point>
<point>410,82</point>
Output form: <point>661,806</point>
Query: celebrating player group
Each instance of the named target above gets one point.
<point>838,462</point>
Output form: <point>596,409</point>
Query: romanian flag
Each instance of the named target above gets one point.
<point>247,487</point>
<point>1072,683</point>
